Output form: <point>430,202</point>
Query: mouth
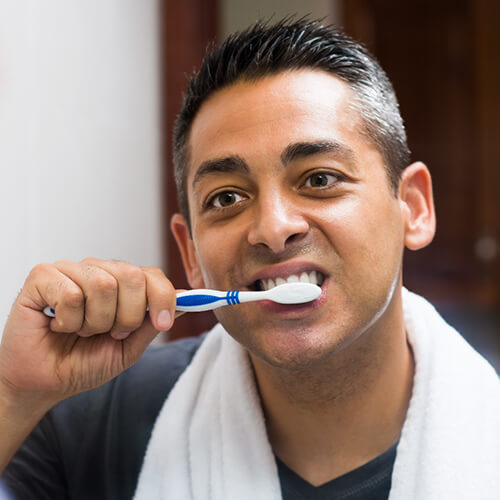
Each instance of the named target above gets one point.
<point>314,276</point>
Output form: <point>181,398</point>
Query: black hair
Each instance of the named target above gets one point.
<point>266,49</point>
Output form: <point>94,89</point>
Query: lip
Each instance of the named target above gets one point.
<point>285,269</point>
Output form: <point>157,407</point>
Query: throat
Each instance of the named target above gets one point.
<point>327,421</point>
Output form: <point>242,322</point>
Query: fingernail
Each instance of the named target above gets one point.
<point>164,319</point>
<point>121,335</point>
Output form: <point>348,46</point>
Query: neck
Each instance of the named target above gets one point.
<point>326,420</point>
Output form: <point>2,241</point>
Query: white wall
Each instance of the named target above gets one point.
<point>79,135</point>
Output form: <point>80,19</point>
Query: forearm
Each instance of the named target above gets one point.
<point>18,417</point>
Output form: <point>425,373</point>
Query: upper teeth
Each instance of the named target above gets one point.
<point>314,277</point>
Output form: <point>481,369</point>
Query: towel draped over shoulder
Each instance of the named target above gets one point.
<point>210,442</point>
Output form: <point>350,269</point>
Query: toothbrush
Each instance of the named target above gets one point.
<point>206,300</point>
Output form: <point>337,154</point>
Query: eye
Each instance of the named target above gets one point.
<point>321,179</point>
<point>225,199</point>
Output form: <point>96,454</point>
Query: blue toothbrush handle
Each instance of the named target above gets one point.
<point>205,300</point>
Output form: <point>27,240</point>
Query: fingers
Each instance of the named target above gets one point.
<point>131,299</point>
<point>100,290</point>
<point>161,298</point>
<point>46,284</point>
<point>136,343</point>
<point>97,296</point>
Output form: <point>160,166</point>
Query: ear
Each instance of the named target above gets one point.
<point>179,227</point>
<point>417,203</point>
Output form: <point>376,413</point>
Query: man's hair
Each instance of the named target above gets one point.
<point>266,49</point>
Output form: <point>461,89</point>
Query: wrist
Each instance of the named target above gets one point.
<point>19,414</point>
<point>22,405</point>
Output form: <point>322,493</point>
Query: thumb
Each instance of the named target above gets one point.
<point>137,342</point>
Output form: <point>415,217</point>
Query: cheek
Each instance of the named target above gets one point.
<point>217,252</point>
<point>366,234</point>
<point>209,261</point>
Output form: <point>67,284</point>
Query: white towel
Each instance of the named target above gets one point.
<point>210,441</point>
<point>450,442</point>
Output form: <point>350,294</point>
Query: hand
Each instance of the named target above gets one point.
<point>100,329</point>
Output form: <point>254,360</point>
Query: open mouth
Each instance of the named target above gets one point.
<point>314,277</point>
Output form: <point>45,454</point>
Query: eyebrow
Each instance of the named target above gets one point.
<point>298,150</point>
<point>228,164</point>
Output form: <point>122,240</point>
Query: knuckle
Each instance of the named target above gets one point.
<point>168,294</point>
<point>63,263</point>
<point>152,269</point>
<point>159,278</point>
<point>101,323</point>
<point>129,323</point>
<point>73,298</point>
<point>40,269</point>
<point>134,277</point>
<point>104,283</point>
<point>89,261</point>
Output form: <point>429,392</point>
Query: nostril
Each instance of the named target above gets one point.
<point>294,237</point>
<point>277,231</point>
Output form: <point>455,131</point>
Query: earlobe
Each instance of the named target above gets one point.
<point>180,229</point>
<point>417,202</point>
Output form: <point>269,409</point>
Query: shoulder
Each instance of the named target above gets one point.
<point>162,364</point>
<point>96,440</point>
<point>116,420</point>
<point>140,389</point>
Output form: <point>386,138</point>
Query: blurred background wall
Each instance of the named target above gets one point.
<point>79,135</point>
<point>238,14</point>
<point>89,92</point>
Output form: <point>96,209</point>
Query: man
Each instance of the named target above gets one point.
<point>291,164</point>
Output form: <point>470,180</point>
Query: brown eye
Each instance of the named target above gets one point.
<point>320,179</point>
<point>226,199</point>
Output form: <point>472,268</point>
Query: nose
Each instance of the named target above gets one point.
<point>278,222</point>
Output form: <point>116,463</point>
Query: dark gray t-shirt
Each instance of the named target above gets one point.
<point>91,446</point>
<point>372,481</point>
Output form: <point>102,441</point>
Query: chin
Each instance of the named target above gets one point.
<point>299,350</point>
<point>294,344</point>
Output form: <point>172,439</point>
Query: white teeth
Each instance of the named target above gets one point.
<point>313,277</point>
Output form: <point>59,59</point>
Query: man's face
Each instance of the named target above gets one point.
<point>282,182</point>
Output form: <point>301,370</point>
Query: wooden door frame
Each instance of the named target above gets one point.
<point>186,27</point>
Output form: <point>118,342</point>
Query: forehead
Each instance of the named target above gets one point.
<point>252,118</point>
